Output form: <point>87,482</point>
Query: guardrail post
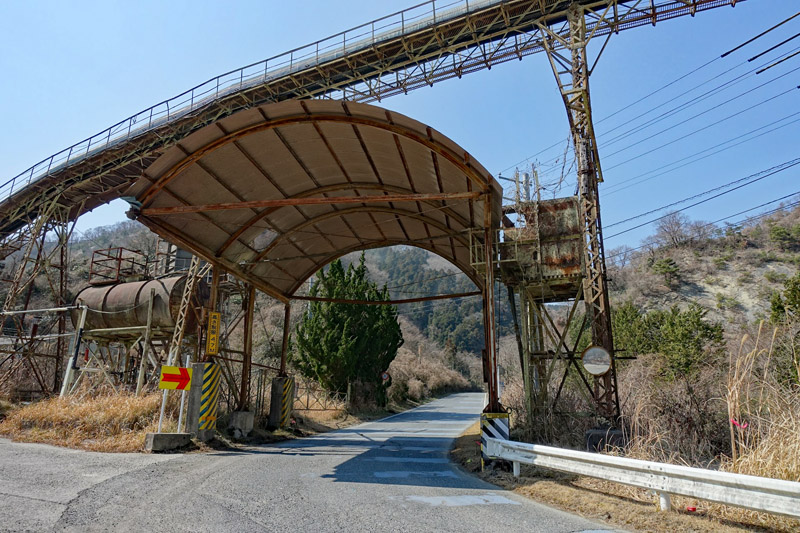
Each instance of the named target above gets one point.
<point>664,501</point>
<point>495,426</point>
<point>516,468</point>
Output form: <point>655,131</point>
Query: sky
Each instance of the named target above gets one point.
<point>71,69</point>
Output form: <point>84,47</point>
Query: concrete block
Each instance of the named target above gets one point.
<point>241,423</point>
<point>162,442</point>
<point>598,439</point>
<point>195,393</point>
<point>205,435</point>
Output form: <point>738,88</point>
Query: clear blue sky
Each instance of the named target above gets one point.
<point>71,69</point>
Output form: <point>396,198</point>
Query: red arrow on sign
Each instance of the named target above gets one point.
<point>181,379</point>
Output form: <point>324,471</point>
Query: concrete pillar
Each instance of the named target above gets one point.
<point>203,398</point>
<point>281,402</point>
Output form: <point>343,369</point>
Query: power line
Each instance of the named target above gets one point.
<point>701,67</point>
<point>796,161</point>
<point>763,33</point>
<point>768,50</point>
<point>745,220</point>
<point>747,180</point>
<point>698,115</point>
<point>694,101</point>
<point>615,187</point>
<point>702,129</point>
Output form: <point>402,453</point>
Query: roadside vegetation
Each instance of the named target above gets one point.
<point>104,422</point>
<point>713,321</point>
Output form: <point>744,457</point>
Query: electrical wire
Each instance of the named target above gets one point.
<point>716,123</point>
<point>743,221</point>
<point>747,180</point>
<point>660,89</point>
<point>693,102</point>
<point>616,187</point>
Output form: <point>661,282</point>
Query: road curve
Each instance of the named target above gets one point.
<point>390,475</point>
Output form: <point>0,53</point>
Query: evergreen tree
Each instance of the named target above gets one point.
<point>668,268</point>
<point>341,343</point>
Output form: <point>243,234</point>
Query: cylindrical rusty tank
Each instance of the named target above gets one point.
<point>124,305</point>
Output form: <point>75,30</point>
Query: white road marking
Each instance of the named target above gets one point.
<point>406,474</point>
<point>461,501</point>
<point>409,460</point>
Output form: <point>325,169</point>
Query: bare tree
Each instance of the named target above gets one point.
<point>672,229</point>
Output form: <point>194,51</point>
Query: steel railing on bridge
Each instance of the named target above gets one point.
<point>409,39</point>
<point>334,47</point>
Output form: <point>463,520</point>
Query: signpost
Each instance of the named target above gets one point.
<point>212,338</point>
<point>175,378</point>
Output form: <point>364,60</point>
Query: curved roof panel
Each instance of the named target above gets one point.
<point>275,192</point>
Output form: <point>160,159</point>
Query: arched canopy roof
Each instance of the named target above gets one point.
<point>275,192</point>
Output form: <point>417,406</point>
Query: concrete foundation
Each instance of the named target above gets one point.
<point>241,423</point>
<point>598,439</point>
<point>164,442</point>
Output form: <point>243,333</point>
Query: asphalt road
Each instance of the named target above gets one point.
<point>389,475</point>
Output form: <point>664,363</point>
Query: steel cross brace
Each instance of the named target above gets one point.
<point>572,75</point>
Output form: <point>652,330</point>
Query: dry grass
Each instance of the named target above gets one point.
<point>416,378</point>
<point>618,505</point>
<point>106,423</point>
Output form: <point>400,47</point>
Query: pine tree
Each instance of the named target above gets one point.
<point>341,343</point>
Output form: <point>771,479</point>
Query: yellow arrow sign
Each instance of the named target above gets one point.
<point>175,378</point>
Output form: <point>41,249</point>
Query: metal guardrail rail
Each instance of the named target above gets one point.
<point>419,38</point>
<point>751,492</point>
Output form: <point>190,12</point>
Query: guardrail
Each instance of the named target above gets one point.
<point>751,492</point>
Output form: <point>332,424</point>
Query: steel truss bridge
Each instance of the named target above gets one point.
<point>417,47</point>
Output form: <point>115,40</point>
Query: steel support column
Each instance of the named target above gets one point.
<point>572,74</point>
<point>247,356</point>
<point>287,314</point>
<point>490,352</point>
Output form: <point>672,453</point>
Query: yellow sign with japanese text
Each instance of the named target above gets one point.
<point>212,335</point>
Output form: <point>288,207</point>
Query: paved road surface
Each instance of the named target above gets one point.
<point>389,475</point>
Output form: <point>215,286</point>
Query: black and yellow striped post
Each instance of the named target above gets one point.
<point>496,426</point>
<point>281,402</point>
<point>209,397</point>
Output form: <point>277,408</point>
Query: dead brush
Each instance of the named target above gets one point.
<point>106,422</point>
<point>417,378</point>
<point>764,423</point>
<point>764,415</point>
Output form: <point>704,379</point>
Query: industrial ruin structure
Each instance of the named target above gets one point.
<point>269,172</point>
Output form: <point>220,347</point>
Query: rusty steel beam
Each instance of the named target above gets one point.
<point>283,202</point>
<point>247,357</point>
<point>331,188</point>
<point>387,302</point>
<point>287,314</point>
<point>286,234</point>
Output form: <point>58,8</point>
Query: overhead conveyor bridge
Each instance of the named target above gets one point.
<point>419,46</point>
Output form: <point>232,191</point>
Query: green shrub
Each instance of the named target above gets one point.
<point>774,277</point>
<point>686,339</point>
<point>766,256</point>
<point>668,268</point>
<point>783,238</point>
<point>726,302</point>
